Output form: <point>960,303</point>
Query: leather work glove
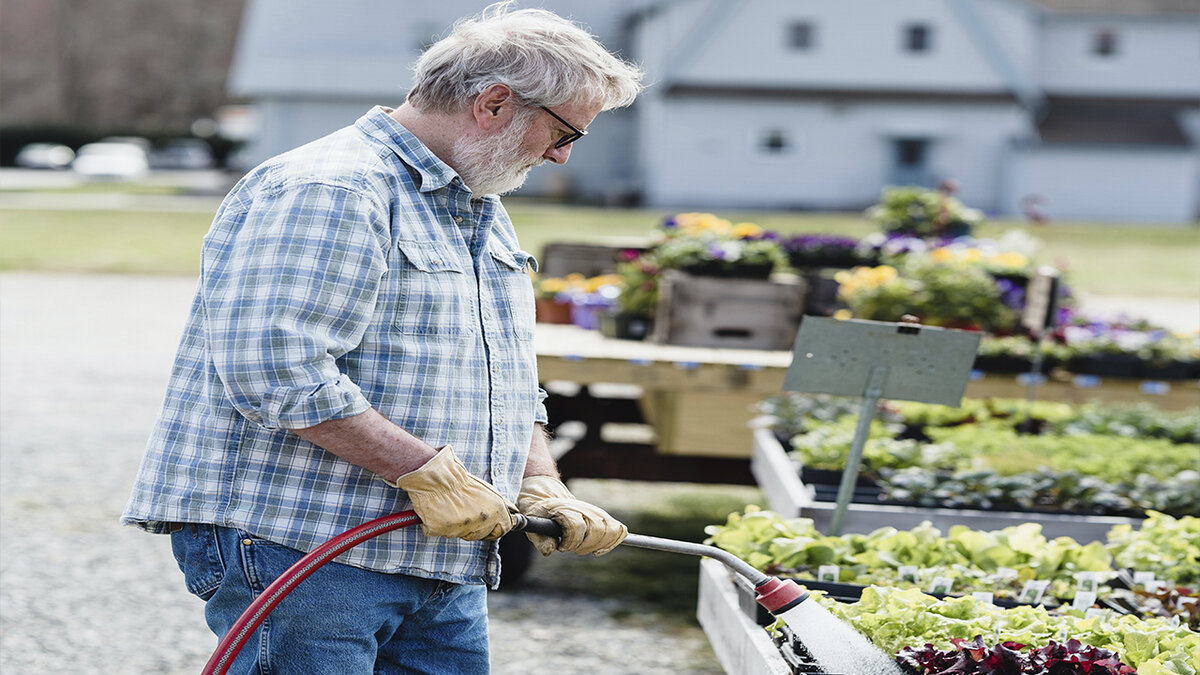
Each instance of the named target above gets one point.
<point>452,502</point>
<point>585,528</point>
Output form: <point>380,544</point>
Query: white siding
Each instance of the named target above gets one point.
<point>1153,58</point>
<point>1117,184</point>
<point>838,155</point>
<point>857,45</point>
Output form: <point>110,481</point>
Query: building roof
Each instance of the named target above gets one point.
<point>1140,7</point>
<point>1109,122</point>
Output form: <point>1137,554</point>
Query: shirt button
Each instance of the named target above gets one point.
<point>458,219</point>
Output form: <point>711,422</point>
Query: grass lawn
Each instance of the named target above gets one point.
<point>1100,258</point>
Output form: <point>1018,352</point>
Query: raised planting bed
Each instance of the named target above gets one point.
<point>779,478</point>
<point>915,627</point>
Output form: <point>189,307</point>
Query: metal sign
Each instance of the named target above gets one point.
<point>924,363</point>
<point>875,360</point>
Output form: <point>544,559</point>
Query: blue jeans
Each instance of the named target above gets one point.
<point>340,620</point>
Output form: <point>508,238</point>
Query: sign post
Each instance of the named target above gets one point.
<point>877,360</point>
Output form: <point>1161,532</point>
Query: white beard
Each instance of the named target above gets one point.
<point>486,163</point>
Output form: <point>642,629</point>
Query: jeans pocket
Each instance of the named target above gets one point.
<point>198,554</point>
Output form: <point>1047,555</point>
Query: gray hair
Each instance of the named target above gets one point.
<point>544,58</point>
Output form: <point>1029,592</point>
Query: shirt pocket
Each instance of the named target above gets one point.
<point>514,289</point>
<point>433,292</point>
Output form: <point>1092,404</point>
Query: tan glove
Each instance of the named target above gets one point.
<point>454,503</point>
<point>586,528</point>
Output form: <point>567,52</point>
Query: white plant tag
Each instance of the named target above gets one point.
<point>1032,592</point>
<point>828,573</point>
<point>1143,578</point>
<point>1087,582</point>
<point>908,573</point>
<point>984,597</point>
<point>1094,611</point>
<point>941,585</point>
<point>1005,572</point>
<point>1083,599</point>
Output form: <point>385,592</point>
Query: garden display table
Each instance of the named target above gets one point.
<point>699,401</point>
<point>788,496</point>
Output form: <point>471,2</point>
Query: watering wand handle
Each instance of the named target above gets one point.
<point>542,526</point>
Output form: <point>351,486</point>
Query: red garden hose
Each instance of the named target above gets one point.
<point>776,595</point>
<point>243,628</point>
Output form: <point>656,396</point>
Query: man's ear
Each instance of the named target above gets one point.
<point>494,107</point>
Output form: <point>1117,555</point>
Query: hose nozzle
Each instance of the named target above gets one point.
<point>778,595</point>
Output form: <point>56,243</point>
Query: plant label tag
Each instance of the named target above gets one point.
<point>1091,612</point>
<point>1154,585</point>
<point>1083,599</point>
<point>828,573</point>
<point>1031,592</point>
<point>941,585</point>
<point>1143,578</point>
<point>908,573</point>
<point>985,597</point>
<point>1005,572</point>
<point>1088,582</point>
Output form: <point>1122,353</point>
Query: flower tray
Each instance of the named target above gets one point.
<point>789,496</point>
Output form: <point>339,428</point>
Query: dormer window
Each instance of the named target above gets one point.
<point>917,38</point>
<point>1104,43</point>
<point>800,35</point>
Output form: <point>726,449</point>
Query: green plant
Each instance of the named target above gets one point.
<point>639,285</point>
<point>1169,547</point>
<point>896,618</point>
<point>923,213</point>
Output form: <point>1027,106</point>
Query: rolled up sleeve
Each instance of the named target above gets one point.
<point>289,286</point>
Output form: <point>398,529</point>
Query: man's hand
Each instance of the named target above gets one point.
<point>454,503</point>
<point>586,528</point>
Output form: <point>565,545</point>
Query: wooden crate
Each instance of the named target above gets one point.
<point>589,259</point>
<point>698,311</point>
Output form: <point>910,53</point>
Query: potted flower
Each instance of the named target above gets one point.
<point>822,250</point>
<point>551,301</point>
<point>702,244</point>
<point>924,213</point>
<point>637,276</point>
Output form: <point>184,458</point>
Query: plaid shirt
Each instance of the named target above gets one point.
<point>352,272</point>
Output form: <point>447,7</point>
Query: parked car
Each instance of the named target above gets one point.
<point>183,153</point>
<point>45,156</point>
<point>111,160</point>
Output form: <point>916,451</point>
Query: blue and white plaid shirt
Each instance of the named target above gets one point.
<point>352,272</point>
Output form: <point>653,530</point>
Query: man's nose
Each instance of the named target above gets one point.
<point>558,155</point>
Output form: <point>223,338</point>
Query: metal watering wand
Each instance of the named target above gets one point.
<point>775,595</point>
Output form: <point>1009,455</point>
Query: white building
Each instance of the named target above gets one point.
<point>1089,107</point>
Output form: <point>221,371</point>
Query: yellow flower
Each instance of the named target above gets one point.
<point>972,255</point>
<point>1009,260</point>
<point>553,285</point>
<point>602,280</point>
<point>746,230</point>
<point>843,314</point>
<point>942,254</point>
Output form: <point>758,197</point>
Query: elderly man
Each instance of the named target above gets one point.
<point>360,343</point>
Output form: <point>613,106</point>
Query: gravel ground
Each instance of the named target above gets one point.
<point>83,364</point>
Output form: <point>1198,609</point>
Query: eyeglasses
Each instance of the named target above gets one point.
<point>567,139</point>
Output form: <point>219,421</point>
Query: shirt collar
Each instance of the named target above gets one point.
<point>434,173</point>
